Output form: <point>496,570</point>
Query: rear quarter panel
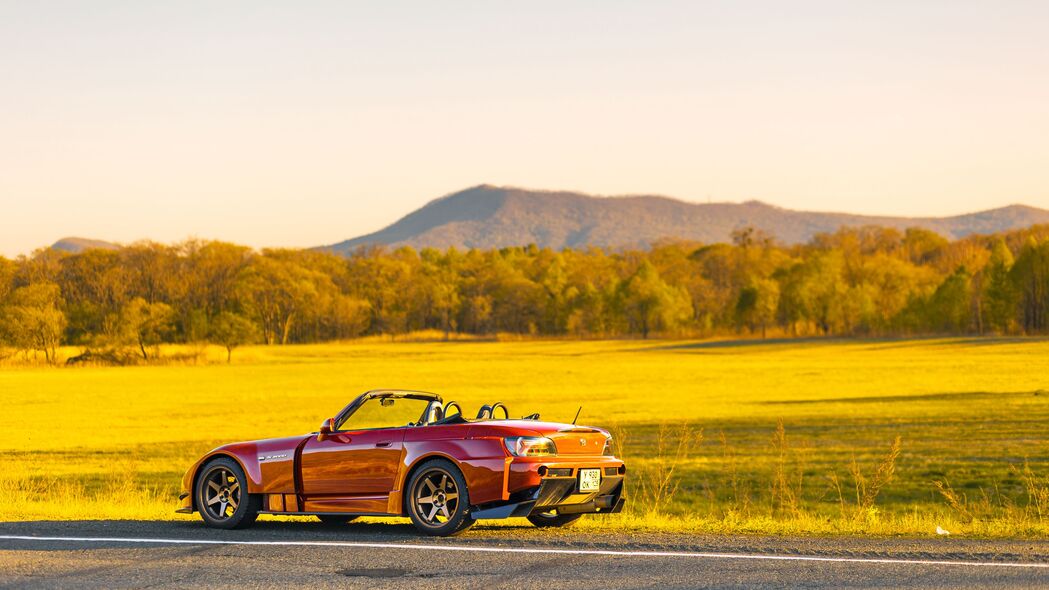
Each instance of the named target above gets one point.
<point>481,460</point>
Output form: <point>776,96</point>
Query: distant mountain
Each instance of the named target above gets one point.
<point>78,245</point>
<point>493,217</point>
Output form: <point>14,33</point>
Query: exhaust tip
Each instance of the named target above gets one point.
<point>542,471</point>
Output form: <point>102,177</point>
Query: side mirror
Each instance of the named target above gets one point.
<point>327,427</point>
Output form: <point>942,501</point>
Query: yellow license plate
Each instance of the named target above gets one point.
<point>589,480</point>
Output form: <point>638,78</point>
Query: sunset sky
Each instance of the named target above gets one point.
<point>306,123</point>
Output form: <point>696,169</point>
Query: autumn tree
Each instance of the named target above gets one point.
<point>278,292</point>
<point>33,321</point>
<point>948,309</point>
<point>144,325</point>
<point>381,277</point>
<point>922,246</point>
<point>722,276</point>
<point>8,268</point>
<point>232,330</point>
<point>7,273</point>
<point>757,304</point>
<point>95,286</point>
<point>999,296</point>
<point>813,292</point>
<point>650,304</point>
<point>1030,279</point>
<point>439,282</point>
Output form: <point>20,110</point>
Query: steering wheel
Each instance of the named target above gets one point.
<point>506,412</point>
<point>448,406</point>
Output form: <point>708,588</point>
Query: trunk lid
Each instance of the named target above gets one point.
<point>579,440</point>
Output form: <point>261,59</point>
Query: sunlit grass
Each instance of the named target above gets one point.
<point>112,442</point>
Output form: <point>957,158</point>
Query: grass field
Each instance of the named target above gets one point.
<point>98,442</point>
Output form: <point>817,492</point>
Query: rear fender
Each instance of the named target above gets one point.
<point>482,463</point>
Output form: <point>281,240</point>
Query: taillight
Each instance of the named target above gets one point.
<point>530,446</point>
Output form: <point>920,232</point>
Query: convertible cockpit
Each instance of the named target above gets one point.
<point>381,408</point>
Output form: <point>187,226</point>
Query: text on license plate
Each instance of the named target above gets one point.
<point>589,480</point>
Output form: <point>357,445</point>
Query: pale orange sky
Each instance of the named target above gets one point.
<point>299,124</point>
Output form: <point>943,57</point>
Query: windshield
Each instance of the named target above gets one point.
<point>385,412</point>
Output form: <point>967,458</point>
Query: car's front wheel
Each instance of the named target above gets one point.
<point>438,501</point>
<point>222,496</point>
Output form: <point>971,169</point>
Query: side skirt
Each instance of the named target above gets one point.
<point>325,513</point>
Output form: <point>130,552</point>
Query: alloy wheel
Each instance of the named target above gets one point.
<point>222,493</point>
<point>436,497</point>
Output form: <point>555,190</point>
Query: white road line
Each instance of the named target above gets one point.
<point>527,550</point>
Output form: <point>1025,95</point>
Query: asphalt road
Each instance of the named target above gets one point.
<point>122,554</point>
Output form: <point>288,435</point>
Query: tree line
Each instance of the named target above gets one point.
<point>122,304</point>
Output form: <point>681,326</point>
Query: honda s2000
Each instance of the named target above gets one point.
<point>406,453</point>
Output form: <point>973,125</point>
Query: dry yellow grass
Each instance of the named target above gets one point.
<point>100,442</point>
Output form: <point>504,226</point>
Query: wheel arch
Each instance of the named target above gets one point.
<point>416,464</point>
<point>205,461</point>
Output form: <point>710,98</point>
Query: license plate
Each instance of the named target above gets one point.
<point>589,480</point>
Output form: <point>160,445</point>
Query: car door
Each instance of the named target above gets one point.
<point>352,463</point>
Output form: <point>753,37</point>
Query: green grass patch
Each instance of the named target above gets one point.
<point>973,415</point>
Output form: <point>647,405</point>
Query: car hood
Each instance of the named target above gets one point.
<point>266,445</point>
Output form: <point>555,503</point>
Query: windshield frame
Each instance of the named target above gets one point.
<point>342,417</point>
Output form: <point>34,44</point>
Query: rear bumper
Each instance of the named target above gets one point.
<point>558,491</point>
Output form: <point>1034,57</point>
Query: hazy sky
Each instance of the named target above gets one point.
<point>305,123</point>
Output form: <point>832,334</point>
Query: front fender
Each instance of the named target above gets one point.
<point>250,468</point>
<point>267,464</point>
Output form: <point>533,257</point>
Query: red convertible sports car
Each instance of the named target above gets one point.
<point>406,453</point>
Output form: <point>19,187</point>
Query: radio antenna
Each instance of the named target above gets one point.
<point>577,415</point>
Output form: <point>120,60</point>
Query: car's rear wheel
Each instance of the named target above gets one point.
<point>549,519</point>
<point>336,519</point>
<point>438,501</point>
<point>222,496</point>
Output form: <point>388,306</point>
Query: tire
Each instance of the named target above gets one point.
<point>437,500</point>
<point>335,519</point>
<point>545,520</point>
<point>222,498</point>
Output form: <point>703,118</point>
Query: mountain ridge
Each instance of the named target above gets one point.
<point>75,245</point>
<point>488,216</point>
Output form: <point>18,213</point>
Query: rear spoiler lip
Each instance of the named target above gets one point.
<point>579,429</point>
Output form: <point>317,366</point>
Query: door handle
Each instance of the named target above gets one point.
<point>383,443</point>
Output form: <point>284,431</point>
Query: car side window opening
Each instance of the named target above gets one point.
<point>385,413</point>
